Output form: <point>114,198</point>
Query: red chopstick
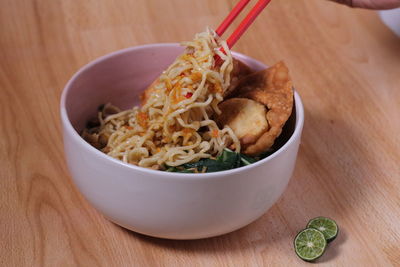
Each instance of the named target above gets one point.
<point>246,22</point>
<point>231,16</point>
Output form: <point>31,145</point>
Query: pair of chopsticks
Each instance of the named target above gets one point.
<point>246,22</point>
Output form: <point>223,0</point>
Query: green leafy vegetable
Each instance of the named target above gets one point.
<point>230,158</point>
<point>226,161</point>
<point>246,160</point>
<point>209,165</point>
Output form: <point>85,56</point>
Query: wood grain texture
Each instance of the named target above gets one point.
<point>345,64</point>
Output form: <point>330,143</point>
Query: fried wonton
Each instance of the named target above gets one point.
<point>247,118</point>
<point>273,89</point>
<point>239,71</point>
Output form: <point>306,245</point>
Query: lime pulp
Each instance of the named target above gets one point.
<point>310,244</point>
<point>325,225</point>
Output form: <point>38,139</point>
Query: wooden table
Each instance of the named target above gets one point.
<point>345,64</point>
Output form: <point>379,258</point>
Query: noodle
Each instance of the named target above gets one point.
<point>175,125</point>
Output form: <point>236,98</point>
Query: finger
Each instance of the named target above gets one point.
<point>373,4</point>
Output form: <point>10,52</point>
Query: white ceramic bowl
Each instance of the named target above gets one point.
<point>156,203</point>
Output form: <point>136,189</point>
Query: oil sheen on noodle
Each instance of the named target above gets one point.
<point>175,124</point>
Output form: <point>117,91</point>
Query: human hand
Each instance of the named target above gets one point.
<point>371,4</point>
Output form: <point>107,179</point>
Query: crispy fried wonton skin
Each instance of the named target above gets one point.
<point>272,88</point>
<point>239,71</point>
<point>246,117</point>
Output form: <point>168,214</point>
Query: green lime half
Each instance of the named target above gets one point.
<point>310,244</point>
<point>325,225</point>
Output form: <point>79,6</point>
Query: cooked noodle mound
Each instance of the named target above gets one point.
<point>175,123</point>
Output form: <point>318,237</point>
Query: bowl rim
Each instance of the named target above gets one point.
<point>66,123</point>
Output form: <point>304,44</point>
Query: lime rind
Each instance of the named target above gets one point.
<point>310,244</point>
<point>325,225</point>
